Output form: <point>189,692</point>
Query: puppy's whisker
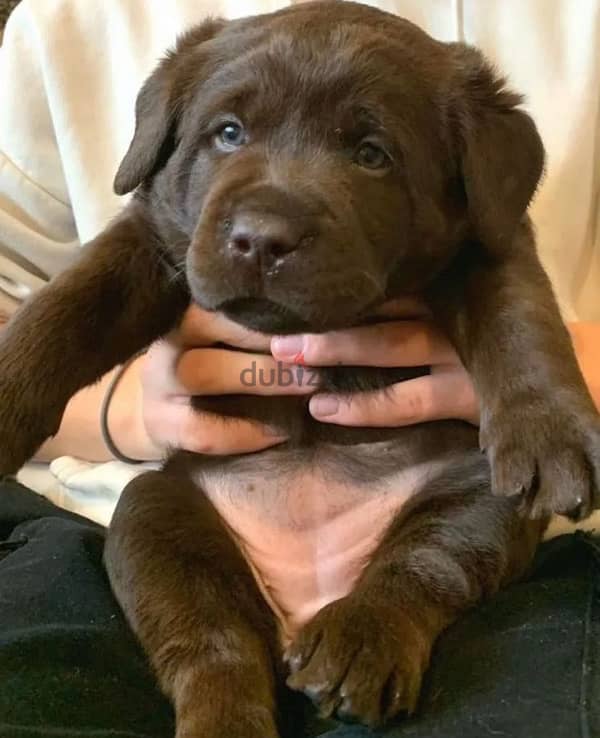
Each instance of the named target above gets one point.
<point>176,274</point>
<point>371,279</point>
<point>176,271</point>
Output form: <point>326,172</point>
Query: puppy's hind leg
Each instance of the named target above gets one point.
<point>193,603</point>
<point>363,657</point>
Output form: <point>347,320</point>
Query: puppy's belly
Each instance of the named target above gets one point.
<point>307,536</point>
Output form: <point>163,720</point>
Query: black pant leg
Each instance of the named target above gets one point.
<point>68,663</point>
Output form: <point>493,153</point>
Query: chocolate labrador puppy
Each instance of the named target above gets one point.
<point>295,171</point>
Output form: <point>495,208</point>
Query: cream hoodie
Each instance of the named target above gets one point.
<point>69,74</point>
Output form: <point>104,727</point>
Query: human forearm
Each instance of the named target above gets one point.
<point>79,434</point>
<point>80,429</point>
<point>586,340</point>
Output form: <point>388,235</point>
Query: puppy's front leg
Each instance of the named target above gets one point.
<point>114,301</point>
<point>363,657</point>
<point>539,425</point>
<point>192,601</point>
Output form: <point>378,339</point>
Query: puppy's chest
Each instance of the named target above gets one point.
<point>307,528</point>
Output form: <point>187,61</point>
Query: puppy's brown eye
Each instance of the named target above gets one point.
<point>371,156</point>
<point>231,136</point>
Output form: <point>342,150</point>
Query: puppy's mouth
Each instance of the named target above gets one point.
<point>261,314</point>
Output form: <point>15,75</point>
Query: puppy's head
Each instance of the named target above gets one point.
<point>309,164</point>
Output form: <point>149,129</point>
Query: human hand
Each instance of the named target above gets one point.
<point>409,340</point>
<point>151,410</point>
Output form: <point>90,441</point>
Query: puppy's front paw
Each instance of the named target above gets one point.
<point>550,456</point>
<point>360,661</point>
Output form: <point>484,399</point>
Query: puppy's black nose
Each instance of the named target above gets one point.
<point>264,238</point>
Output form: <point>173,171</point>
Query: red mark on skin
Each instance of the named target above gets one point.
<point>299,358</point>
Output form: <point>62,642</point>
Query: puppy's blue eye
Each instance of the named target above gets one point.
<point>371,156</point>
<point>231,135</point>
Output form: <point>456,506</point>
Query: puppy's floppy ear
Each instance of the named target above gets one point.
<point>500,150</point>
<point>157,108</point>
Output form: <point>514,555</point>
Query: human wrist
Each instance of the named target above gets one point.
<point>125,417</point>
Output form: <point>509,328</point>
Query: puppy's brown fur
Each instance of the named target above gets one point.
<point>328,237</point>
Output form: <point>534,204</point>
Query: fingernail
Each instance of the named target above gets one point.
<point>288,348</point>
<point>324,406</point>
